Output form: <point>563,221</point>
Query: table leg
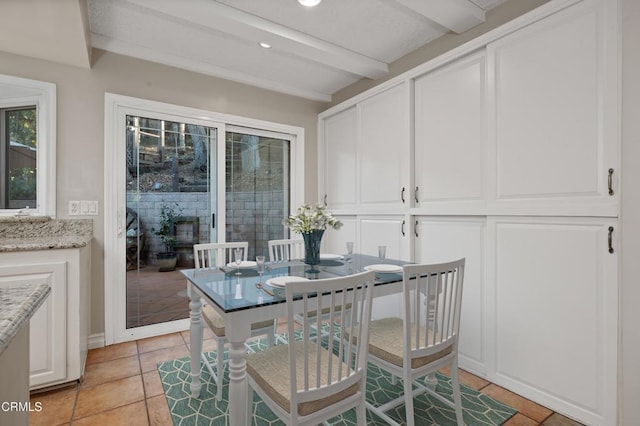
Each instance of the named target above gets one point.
<point>237,383</point>
<point>195,340</point>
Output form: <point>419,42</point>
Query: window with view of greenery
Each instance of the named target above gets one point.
<point>18,142</point>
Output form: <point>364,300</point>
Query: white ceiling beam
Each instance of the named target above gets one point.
<point>141,52</point>
<point>456,15</point>
<point>226,19</point>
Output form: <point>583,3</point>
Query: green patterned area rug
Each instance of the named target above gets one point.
<point>478,409</point>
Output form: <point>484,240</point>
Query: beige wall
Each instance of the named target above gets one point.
<point>80,125</point>
<point>630,217</point>
<point>494,18</point>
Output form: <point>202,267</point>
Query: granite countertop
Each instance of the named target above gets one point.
<point>17,305</point>
<point>43,233</point>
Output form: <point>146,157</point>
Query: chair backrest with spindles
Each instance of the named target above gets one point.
<point>315,375</point>
<point>284,250</point>
<point>432,305</point>
<point>215,255</point>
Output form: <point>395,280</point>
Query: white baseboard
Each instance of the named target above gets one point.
<point>96,341</point>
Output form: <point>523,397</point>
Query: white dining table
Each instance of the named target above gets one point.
<point>238,300</point>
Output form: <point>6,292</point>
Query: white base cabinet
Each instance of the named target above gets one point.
<point>59,329</point>
<point>552,300</point>
<point>442,239</point>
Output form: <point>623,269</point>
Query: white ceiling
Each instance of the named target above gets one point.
<point>315,51</point>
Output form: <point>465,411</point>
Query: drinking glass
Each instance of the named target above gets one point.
<point>238,257</point>
<point>382,252</point>
<point>260,267</point>
<point>349,251</point>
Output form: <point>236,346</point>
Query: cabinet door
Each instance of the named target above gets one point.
<point>335,241</point>
<point>554,105</point>
<point>450,116</point>
<point>554,313</point>
<point>338,159</point>
<point>47,328</point>
<point>442,239</point>
<point>384,141</point>
<point>393,233</point>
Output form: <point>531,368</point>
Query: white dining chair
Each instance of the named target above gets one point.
<point>290,249</point>
<point>310,380</point>
<point>212,256</point>
<point>425,339</point>
<point>284,250</point>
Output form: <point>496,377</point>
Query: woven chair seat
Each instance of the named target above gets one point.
<point>216,322</point>
<point>386,341</point>
<point>273,375</point>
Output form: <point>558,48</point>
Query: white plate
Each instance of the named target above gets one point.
<point>384,268</point>
<point>245,264</point>
<point>329,256</point>
<point>282,281</point>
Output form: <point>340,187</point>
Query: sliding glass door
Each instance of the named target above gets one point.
<point>170,174</point>
<point>214,177</point>
<point>257,187</point>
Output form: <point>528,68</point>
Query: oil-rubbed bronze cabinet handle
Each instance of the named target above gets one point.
<point>402,229</point>
<point>415,229</point>
<point>325,200</point>
<point>611,239</point>
<point>610,181</point>
<point>415,194</point>
<point>402,194</point>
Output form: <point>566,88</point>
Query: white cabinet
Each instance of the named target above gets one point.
<point>59,329</point>
<point>553,121</point>
<point>392,232</point>
<point>338,159</point>
<point>389,231</point>
<point>446,238</point>
<point>512,146</point>
<point>384,144</point>
<point>335,241</point>
<point>553,305</point>
<point>450,137</point>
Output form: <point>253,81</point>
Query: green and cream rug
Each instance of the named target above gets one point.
<point>478,409</point>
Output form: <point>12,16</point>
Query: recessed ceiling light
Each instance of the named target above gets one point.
<point>309,3</point>
<point>265,45</point>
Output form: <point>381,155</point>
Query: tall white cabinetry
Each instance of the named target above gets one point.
<point>450,137</point>
<point>59,329</point>
<point>554,115</point>
<point>511,160</point>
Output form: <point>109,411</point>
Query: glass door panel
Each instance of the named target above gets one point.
<point>169,168</point>
<point>257,187</point>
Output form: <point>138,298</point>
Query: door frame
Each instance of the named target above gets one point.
<point>116,109</point>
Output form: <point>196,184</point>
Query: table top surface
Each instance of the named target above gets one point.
<point>233,292</point>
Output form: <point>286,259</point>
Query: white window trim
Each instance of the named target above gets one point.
<point>23,92</point>
<point>116,107</point>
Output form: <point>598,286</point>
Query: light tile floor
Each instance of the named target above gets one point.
<point>121,386</point>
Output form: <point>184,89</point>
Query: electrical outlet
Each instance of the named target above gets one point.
<point>74,208</point>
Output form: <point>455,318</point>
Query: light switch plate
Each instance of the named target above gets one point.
<point>89,208</point>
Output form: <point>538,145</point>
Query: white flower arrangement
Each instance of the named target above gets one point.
<point>309,218</point>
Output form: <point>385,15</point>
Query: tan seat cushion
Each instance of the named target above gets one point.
<point>216,322</point>
<point>386,341</point>
<point>270,369</point>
